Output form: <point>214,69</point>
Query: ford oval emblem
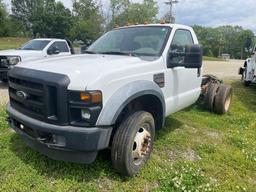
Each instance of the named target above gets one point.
<point>22,95</point>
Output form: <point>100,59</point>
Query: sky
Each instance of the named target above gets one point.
<point>204,12</point>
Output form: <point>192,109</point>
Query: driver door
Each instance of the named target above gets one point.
<point>186,83</point>
<point>62,48</point>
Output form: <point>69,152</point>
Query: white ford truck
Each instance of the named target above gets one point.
<point>115,96</point>
<point>248,71</point>
<point>33,50</point>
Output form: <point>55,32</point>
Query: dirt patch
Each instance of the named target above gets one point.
<point>212,134</point>
<point>188,155</point>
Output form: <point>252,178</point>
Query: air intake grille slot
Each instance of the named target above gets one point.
<point>40,95</point>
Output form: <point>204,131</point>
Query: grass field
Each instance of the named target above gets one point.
<point>12,42</point>
<point>195,151</point>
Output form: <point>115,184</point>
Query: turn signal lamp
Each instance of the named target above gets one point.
<point>91,97</point>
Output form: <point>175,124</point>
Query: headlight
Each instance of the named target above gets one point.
<point>84,107</point>
<point>86,114</point>
<point>13,60</point>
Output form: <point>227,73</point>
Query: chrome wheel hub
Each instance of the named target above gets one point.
<point>141,145</point>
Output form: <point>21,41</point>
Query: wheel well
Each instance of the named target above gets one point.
<point>149,103</point>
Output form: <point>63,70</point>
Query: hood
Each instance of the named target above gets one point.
<point>84,69</point>
<point>24,54</point>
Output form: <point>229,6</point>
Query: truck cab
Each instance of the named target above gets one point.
<point>248,71</point>
<point>35,49</point>
<point>115,96</point>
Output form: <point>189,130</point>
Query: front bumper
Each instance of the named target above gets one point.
<point>66,143</point>
<point>3,73</point>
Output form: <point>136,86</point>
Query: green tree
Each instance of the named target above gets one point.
<point>3,20</point>
<point>117,7</point>
<point>246,42</point>
<point>54,21</point>
<point>233,40</point>
<point>88,21</point>
<point>25,11</point>
<point>125,11</point>
<point>44,18</point>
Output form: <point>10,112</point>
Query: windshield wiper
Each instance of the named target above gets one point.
<point>113,53</point>
<point>29,49</point>
<point>119,53</point>
<point>90,52</point>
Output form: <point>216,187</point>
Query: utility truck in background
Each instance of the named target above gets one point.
<point>248,71</point>
<point>114,96</point>
<point>33,50</point>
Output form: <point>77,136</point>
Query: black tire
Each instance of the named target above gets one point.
<point>210,95</point>
<point>247,83</point>
<point>223,99</point>
<point>124,146</point>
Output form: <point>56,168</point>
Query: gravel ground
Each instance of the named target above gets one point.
<point>222,69</point>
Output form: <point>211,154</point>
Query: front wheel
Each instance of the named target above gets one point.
<point>132,143</point>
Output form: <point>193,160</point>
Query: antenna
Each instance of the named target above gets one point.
<point>171,3</point>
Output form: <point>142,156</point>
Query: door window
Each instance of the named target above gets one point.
<point>61,46</point>
<point>181,38</point>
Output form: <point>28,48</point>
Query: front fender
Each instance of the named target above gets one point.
<point>125,95</point>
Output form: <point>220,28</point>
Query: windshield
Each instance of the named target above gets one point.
<point>142,41</point>
<point>36,45</point>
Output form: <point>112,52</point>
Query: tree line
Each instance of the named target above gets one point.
<point>87,20</point>
<point>233,40</point>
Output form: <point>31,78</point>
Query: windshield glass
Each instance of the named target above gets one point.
<point>36,45</point>
<point>143,41</point>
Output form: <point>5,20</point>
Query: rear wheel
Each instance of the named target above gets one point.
<point>223,99</point>
<point>132,143</point>
<point>247,83</point>
<point>210,95</point>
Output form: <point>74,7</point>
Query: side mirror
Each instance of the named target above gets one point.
<point>191,57</point>
<point>53,51</point>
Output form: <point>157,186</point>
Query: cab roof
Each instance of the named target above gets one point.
<point>49,39</point>
<point>158,25</point>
